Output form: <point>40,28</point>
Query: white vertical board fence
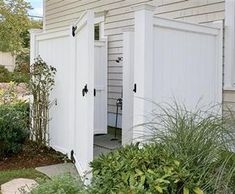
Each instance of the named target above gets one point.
<point>174,61</point>
<point>56,49</point>
<point>76,107</point>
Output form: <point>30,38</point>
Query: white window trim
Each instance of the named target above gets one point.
<point>99,19</point>
<point>229,60</point>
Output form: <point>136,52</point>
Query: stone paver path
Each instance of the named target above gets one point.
<point>14,186</point>
<point>58,169</point>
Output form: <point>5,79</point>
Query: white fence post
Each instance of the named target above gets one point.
<point>143,65</point>
<point>128,80</point>
<point>33,54</point>
<point>33,44</point>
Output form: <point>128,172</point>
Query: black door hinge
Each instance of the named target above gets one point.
<point>74,28</point>
<point>94,92</point>
<point>135,88</point>
<point>84,90</point>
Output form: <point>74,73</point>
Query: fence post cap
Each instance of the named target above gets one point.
<point>146,7</point>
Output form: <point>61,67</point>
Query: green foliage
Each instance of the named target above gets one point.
<point>9,95</point>
<point>34,24</point>
<point>41,84</point>
<point>65,184</point>
<point>14,22</point>
<point>138,170</point>
<point>202,141</point>
<point>23,55</point>
<point>14,127</point>
<point>188,152</point>
<point>5,75</point>
<point>22,61</point>
<point>17,76</point>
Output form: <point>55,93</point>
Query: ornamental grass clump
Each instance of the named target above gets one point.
<point>187,152</point>
<point>203,143</point>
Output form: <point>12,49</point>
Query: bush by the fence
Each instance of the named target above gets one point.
<point>138,170</point>
<point>190,152</point>
<point>64,184</point>
<point>18,77</point>
<point>4,74</point>
<point>14,127</point>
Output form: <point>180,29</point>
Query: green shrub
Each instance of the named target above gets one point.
<point>5,75</point>
<point>23,61</point>
<point>202,141</point>
<point>19,77</point>
<point>65,184</point>
<point>16,76</point>
<point>14,127</point>
<point>138,170</point>
<point>188,152</point>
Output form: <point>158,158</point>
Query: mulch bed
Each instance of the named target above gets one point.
<point>32,156</point>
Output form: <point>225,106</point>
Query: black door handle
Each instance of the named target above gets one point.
<point>94,92</point>
<point>84,90</point>
<point>135,88</point>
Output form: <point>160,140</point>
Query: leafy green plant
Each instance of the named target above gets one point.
<point>13,24</point>
<point>186,153</point>
<point>132,169</point>
<point>9,95</point>
<point>14,127</point>
<point>65,184</point>
<point>202,141</point>
<point>16,76</point>
<point>19,77</point>
<point>5,75</point>
<point>23,61</point>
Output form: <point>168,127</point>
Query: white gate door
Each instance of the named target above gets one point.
<point>84,87</point>
<point>100,91</point>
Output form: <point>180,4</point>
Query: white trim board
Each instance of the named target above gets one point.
<point>229,59</point>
